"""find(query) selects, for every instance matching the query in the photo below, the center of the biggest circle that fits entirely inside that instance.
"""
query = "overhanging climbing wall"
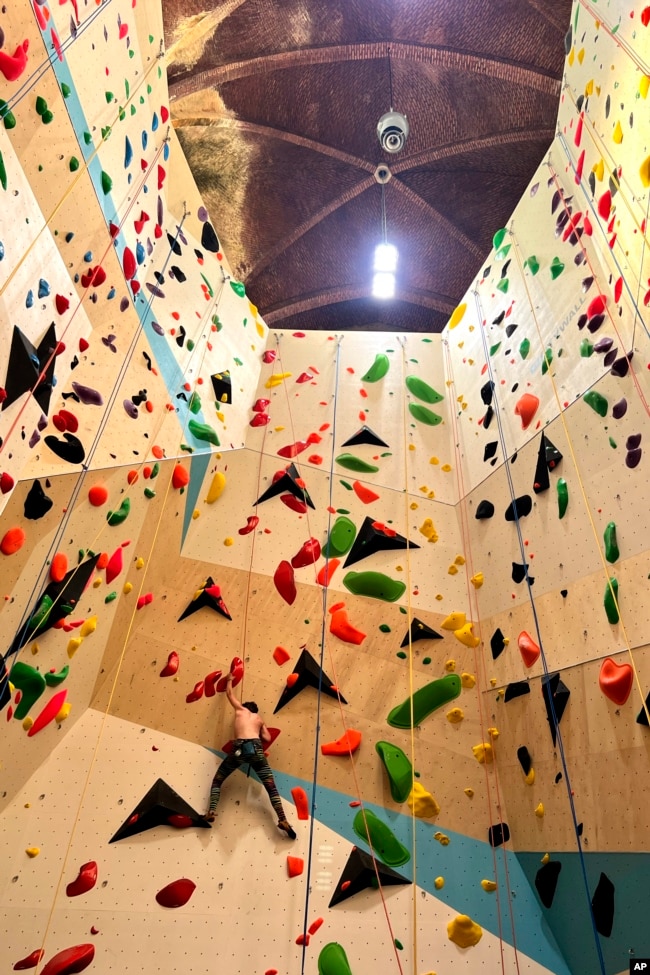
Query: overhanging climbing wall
(366, 521)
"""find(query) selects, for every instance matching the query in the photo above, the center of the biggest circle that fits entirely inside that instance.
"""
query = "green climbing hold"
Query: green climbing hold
(378, 369)
(532, 264)
(397, 942)
(53, 680)
(426, 660)
(401, 655)
(111, 596)
(422, 390)
(41, 105)
(547, 359)
(611, 600)
(3, 173)
(426, 700)
(190, 345)
(611, 544)
(556, 268)
(41, 614)
(333, 960)
(499, 238)
(107, 183)
(65, 90)
(203, 431)
(384, 627)
(30, 682)
(352, 463)
(398, 768)
(346, 485)
(562, 497)
(149, 493)
(586, 348)
(424, 415)
(495, 348)
(380, 837)
(374, 584)
(238, 288)
(341, 536)
(612, 443)
(73, 164)
(597, 402)
(155, 471)
(503, 285)
(195, 403)
(503, 252)
(118, 517)
(524, 348)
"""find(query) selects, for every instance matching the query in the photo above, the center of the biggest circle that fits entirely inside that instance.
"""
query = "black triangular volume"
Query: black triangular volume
(222, 386)
(288, 482)
(484, 510)
(309, 675)
(497, 643)
(419, 631)
(542, 481)
(5, 690)
(546, 880)
(57, 601)
(553, 455)
(207, 597)
(22, 368)
(46, 360)
(642, 717)
(602, 906)
(498, 834)
(517, 689)
(372, 538)
(519, 508)
(359, 874)
(367, 436)
(556, 697)
(159, 807)
(37, 504)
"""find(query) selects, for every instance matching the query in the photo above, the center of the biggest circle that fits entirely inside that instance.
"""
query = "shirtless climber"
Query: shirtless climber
(247, 749)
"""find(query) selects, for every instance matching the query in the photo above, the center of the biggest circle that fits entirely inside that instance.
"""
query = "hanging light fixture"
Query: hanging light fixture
(386, 255)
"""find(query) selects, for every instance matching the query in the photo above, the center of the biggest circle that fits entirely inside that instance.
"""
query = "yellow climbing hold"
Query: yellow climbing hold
(414, 506)
(617, 135)
(644, 85)
(276, 379)
(546, 858)
(434, 460)
(33, 851)
(488, 886)
(599, 170)
(63, 713)
(453, 570)
(89, 626)
(196, 514)
(589, 88)
(27, 723)
(439, 883)
(421, 803)
(468, 681)
(450, 666)
(466, 636)
(483, 753)
(459, 560)
(139, 562)
(457, 315)
(217, 485)
(644, 172)
(581, 55)
(428, 529)
(469, 793)
(530, 778)
(493, 733)
(539, 810)
(446, 468)
(228, 541)
(571, 57)
(477, 580)
(128, 586)
(442, 838)
(455, 716)
(73, 645)
(464, 932)
(34, 648)
(454, 621)
(97, 582)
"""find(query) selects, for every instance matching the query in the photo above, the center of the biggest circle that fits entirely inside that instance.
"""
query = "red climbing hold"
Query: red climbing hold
(284, 581)
(144, 600)
(12, 541)
(260, 405)
(364, 493)
(129, 265)
(526, 407)
(605, 205)
(269, 356)
(251, 524)
(308, 554)
(177, 893)
(293, 449)
(304, 377)
(616, 680)
(86, 880)
(596, 306)
(260, 420)
(326, 572)
(70, 960)
(345, 745)
(645, 16)
(303, 939)
(292, 678)
(62, 303)
(314, 926)
(528, 648)
(211, 683)
(178, 821)
(13, 65)
(196, 694)
(280, 655)
(31, 961)
(301, 802)
(295, 866)
(114, 566)
(171, 666)
(294, 503)
(341, 627)
(180, 477)
(6, 481)
(59, 567)
(48, 713)
(98, 495)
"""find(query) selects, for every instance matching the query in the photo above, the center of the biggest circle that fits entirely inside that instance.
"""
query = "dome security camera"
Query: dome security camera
(392, 131)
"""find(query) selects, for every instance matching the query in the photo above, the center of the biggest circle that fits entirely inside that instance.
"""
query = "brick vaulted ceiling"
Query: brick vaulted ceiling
(276, 104)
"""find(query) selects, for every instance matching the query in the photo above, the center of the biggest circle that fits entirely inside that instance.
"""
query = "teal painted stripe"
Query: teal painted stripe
(198, 468)
(568, 917)
(463, 864)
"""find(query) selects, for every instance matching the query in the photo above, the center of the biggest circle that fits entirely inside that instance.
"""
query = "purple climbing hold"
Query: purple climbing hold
(619, 409)
(610, 357)
(604, 344)
(88, 396)
(158, 329)
(202, 214)
(620, 366)
(633, 441)
(124, 304)
(130, 409)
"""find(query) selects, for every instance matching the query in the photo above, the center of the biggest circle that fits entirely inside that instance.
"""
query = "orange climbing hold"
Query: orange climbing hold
(291, 679)
(326, 572)
(364, 493)
(341, 627)
(526, 407)
(12, 541)
(301, 802)
(180, 477)
(616, 680)
(98, 495)
(295, 866)
(314, 926)
(345, 745)
(528, 648)
(59, 567)
(280, 655)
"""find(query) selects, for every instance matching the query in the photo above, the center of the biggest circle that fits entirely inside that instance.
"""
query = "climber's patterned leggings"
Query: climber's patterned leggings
(257, 761)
